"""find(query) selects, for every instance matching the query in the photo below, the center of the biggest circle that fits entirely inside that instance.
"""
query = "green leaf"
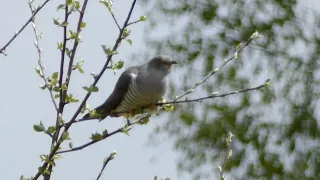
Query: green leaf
(129, 41)
(56, 96)
(126, 130)
(44, 157)
(70, 145)
(39, 127)
(117, 65)
(56, 22)
(43, 87)
(64, 87)
(64, 24)
(105, 133)
(68, 52)
(96, 137)
(91, 88)
(125, 33)
(38, 71)
(69, 2)
(55, 75)
(80, 70)
(107, 50)
(61, 6)
(238, 46)
(71, 99)
(107, 3)
(83, 24)
(77, 5)
(60, 45)
(143, 18)
(56, 89)
(51, 129)
(65, 136)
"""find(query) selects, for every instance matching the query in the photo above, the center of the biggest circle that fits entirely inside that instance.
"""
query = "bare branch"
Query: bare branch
(40, 56)
(115, 20)
(34, 13)
(105, 162)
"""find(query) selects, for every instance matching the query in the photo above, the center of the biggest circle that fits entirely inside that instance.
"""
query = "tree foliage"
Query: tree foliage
(276, 135)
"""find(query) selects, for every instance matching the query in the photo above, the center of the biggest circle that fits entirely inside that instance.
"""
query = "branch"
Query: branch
(105, 162)
(123, 129)
(35, 12)
(227, 155)
(62, 97)
(74, 49)
(57, 145)
(212, 96)
(40, 56)
(215, 70)
(134, 22)
(115, 20)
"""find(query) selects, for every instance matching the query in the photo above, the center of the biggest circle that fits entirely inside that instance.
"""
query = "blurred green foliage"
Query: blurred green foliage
(276, 136)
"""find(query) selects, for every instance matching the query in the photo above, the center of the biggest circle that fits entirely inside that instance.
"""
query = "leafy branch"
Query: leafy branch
(65, 135)
(99, 137)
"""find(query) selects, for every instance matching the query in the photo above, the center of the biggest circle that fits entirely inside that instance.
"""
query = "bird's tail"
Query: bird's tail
(101, 112)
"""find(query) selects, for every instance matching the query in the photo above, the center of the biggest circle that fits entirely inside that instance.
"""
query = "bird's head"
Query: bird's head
(161, 65)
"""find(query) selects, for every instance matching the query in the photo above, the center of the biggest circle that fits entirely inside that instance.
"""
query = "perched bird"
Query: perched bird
(137, 87)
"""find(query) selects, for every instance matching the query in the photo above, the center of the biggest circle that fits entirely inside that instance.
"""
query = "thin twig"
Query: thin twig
(134, 22)
(35, 12)
(214, 71)
(105, 162)
(40, 57)
(74, 49)
(115, 20)
(57, 145)
(227, 155)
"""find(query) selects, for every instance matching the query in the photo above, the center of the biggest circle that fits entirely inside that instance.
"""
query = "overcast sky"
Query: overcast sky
(24, 104)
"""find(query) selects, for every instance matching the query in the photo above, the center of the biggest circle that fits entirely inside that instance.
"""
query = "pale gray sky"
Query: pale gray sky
(24, 104)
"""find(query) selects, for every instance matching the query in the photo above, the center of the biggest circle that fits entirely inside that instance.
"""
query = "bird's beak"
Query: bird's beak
(173, 62)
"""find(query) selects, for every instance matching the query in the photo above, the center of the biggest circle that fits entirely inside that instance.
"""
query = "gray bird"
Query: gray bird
(137, 87)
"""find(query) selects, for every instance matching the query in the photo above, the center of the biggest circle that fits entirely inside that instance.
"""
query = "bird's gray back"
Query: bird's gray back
(144, 89)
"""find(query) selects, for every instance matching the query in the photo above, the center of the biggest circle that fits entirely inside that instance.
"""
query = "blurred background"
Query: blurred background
(276, 134)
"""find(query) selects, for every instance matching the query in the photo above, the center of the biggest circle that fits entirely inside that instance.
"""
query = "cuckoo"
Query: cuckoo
(137, 87)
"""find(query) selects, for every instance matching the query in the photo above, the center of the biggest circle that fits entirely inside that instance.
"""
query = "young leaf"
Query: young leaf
(129, 41)
(96, 137)
(39, 127)
(143, 18)
(91, 88)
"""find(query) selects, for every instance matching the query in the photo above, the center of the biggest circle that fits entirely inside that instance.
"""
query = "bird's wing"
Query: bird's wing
(118, 93)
